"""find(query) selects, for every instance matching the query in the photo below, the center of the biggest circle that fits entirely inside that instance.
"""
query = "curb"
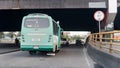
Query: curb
(10, 51)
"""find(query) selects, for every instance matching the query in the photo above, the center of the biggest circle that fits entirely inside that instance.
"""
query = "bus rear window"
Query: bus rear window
(36, 22)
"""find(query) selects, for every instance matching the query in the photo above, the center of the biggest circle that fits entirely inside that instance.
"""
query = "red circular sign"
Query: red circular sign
(99, 15)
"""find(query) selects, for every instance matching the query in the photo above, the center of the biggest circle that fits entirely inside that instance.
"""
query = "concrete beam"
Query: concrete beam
(45, 4)
(97, 5)
(42, 4)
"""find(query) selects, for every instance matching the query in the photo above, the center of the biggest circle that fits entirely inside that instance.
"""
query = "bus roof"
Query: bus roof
(37, 14)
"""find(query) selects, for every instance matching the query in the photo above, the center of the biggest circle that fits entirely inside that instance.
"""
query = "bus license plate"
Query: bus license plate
(36, 47)
(35, 39)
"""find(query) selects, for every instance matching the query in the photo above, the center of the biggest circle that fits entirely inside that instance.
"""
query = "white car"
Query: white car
(64, 41)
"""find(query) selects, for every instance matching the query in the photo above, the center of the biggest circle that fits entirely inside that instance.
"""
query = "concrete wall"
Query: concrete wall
(42, 4)
(102, 58)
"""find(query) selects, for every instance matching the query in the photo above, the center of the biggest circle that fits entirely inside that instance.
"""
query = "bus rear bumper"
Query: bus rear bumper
(36, 48)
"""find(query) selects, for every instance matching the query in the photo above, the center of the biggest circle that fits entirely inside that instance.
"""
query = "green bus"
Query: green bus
(39, 32)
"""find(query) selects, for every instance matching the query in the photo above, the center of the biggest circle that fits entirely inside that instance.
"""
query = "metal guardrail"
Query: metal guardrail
(107, 40)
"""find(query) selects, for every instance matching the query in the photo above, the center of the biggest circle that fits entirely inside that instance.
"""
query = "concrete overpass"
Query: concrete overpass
(64, 10)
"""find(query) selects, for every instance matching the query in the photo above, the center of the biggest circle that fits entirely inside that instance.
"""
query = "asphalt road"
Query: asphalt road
(68, 57)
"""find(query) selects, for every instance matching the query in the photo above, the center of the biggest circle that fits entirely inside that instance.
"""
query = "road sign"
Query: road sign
(99, 15)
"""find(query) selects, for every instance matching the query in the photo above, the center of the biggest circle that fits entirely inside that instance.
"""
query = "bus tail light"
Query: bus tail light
(23, 38)
(49, 38)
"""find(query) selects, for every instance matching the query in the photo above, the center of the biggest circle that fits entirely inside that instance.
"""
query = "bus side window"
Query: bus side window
(55, 27)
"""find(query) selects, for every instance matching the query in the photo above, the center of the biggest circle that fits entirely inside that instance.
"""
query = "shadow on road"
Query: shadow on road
(65, 51)
(7, 48)
(97, 66)
(72, 46)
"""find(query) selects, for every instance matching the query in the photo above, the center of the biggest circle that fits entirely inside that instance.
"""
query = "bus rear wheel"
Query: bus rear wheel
(32, 52)
(56, 50)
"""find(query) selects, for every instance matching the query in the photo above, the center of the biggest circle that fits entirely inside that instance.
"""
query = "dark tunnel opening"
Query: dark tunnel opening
(70, 19)
(117, 20)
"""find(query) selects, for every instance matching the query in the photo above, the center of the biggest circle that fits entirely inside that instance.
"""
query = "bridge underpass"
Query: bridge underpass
(70, 19)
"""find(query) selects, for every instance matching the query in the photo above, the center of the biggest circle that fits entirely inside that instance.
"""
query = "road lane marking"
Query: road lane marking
(87, 61)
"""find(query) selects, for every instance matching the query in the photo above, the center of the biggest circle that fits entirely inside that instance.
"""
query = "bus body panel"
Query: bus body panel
(40, 48)
(59, 38)
(39, 39)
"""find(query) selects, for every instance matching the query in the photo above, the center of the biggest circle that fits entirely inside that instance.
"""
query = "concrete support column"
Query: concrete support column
(112, 11)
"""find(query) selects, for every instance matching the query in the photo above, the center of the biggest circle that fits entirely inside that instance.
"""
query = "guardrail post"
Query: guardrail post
(111, 38)
(95, 38)
(90, 38)
(101, 40)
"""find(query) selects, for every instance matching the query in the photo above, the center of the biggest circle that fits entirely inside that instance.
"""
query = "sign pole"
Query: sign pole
(99, 27)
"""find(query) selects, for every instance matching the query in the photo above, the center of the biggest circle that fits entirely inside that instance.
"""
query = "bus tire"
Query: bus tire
(56, 49)
(32, 52)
